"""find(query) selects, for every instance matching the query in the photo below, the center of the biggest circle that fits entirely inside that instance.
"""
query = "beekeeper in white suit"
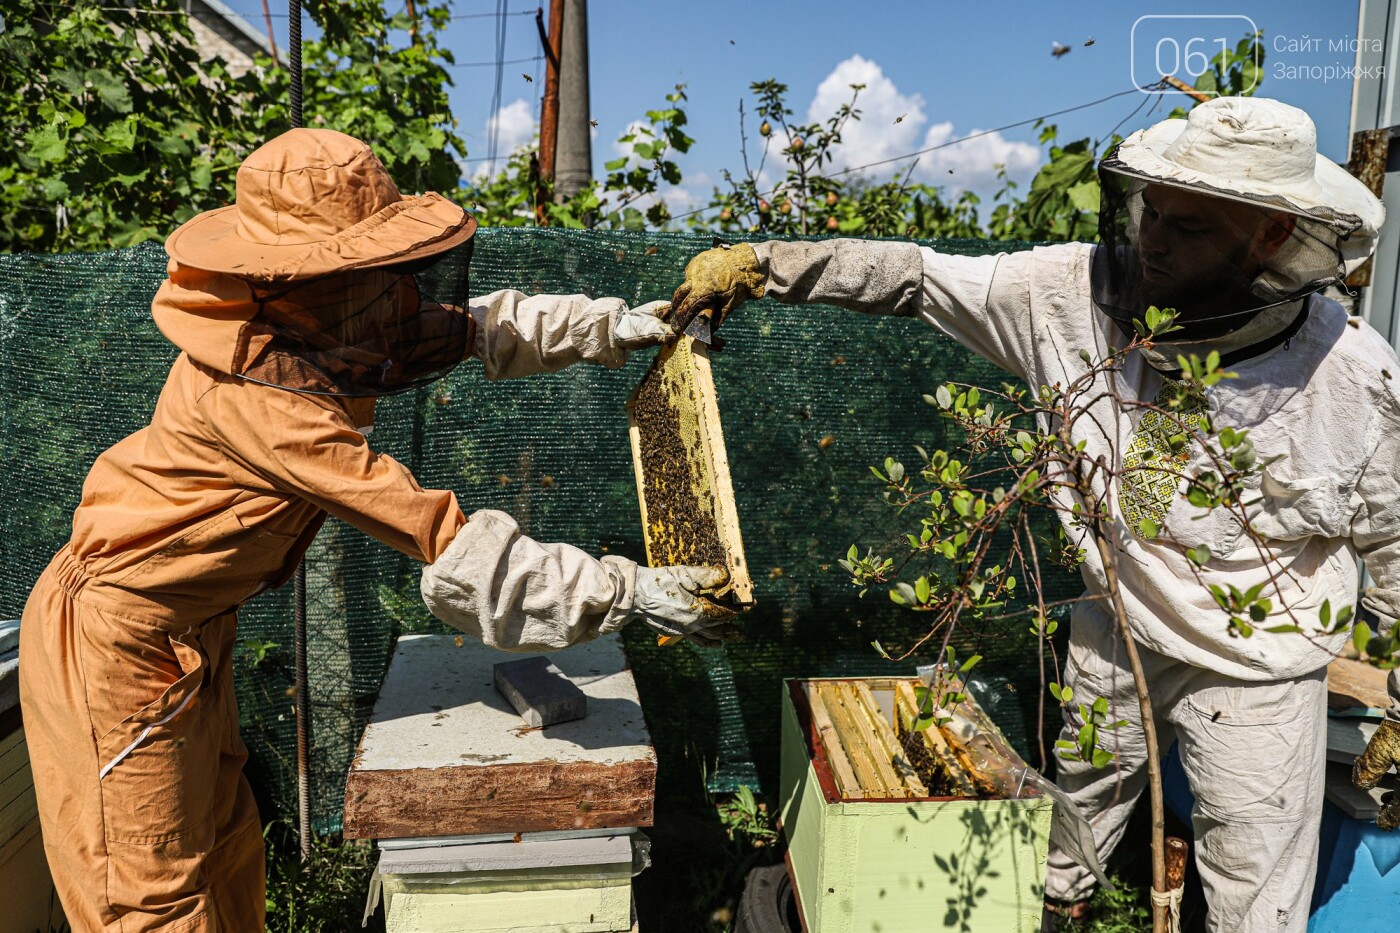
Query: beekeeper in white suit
(1233, 219)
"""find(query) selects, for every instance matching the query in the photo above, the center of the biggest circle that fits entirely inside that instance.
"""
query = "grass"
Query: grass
(326, 892)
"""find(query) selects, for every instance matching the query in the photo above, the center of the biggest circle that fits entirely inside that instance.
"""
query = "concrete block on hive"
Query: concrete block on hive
(539, 691)
(683, 484)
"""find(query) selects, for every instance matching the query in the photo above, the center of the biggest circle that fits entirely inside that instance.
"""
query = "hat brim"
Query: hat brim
(1333, 195)
(415, 228)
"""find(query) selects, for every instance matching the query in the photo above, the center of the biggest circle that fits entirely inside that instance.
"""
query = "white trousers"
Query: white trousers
(1254, 752)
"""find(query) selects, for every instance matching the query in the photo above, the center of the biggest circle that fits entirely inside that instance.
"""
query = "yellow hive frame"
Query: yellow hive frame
(680, 389)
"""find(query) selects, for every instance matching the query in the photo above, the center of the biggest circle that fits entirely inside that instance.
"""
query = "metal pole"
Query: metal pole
(301, 684)
(573, 162)
(303, 711)
(294, 56)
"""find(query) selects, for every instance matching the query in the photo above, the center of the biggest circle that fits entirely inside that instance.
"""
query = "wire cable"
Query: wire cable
(962, 139)
(493, 136)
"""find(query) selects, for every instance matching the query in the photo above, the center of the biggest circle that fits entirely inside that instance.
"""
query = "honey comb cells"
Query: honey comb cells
(683, 484)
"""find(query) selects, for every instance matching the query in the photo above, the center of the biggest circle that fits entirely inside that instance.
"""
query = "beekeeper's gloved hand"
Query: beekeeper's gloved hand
(1382, 754)
(642, 326)
(670, 600)
(718, 280)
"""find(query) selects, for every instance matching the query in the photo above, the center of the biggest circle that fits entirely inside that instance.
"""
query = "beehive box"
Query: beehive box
(682, 470)
(559, 885)
(968, 853)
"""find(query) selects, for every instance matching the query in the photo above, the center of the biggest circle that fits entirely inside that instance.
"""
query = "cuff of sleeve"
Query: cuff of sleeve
(591, 332)
(624, 576)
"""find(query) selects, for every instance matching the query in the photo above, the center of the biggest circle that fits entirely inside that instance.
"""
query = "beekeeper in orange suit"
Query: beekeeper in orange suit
(319, 290)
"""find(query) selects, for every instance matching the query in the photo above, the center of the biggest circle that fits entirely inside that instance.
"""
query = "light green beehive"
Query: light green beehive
(916, 864)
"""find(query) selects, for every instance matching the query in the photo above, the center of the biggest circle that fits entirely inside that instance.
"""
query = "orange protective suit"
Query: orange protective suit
(128, 637)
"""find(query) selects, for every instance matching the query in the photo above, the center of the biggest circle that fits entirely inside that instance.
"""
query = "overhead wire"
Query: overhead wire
(493, 134)
(493, 63)
(1145, 90)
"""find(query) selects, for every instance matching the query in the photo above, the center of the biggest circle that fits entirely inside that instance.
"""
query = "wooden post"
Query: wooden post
(549, 106)
(271, 36)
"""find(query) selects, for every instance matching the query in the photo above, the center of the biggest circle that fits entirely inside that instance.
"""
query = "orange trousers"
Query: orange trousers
(132, 727)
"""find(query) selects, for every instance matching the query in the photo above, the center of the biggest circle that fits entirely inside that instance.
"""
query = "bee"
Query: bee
(529, 78)
(1058, 50)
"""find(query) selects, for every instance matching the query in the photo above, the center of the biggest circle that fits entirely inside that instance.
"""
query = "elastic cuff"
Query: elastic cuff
(624, 576)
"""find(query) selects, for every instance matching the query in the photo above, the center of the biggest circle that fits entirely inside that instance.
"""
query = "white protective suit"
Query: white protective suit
(1248, 713)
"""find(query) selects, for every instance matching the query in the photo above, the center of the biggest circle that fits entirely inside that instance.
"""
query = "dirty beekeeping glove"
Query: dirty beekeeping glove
(1382, 754)
(642, 326)
(718, 280)
(670, 600)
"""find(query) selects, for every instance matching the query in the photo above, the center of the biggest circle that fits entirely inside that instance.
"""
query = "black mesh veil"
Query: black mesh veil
(1217, 258)
(361, 332)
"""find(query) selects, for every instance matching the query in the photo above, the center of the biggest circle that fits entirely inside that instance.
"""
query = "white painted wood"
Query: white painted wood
(427, 842)
(508, 856)
(579, 910)
(439, 709)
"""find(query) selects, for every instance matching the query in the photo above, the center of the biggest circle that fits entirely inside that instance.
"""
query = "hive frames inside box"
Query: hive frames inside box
(683, 485)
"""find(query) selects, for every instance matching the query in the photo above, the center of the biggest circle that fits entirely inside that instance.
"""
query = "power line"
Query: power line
(489, 63)
(963, 139)
(493, 133)
(979, 133)
(248, 16)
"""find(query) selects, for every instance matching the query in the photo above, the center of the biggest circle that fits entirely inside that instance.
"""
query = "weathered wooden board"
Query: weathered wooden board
(1353, 684)
(682, 470)
(830, 741)
(444, 754)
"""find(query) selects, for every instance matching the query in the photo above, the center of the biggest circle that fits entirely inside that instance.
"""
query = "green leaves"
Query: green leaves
(135, 133)
(1361, 637)
(47, 144)
(1093, 721)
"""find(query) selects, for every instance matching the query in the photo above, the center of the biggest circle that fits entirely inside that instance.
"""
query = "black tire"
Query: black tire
(769, 904)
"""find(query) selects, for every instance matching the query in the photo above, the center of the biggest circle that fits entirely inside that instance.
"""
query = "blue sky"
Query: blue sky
(946, 68)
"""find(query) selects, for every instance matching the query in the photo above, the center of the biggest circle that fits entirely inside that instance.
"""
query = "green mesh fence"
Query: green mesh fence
(810, 396)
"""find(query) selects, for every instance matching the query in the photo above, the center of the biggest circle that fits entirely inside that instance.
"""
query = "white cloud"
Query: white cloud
(973, 164)
(892, 124)
(515, 123)
(876, 135)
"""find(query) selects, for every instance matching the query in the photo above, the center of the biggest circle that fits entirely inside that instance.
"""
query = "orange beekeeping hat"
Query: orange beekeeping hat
(312, 203)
